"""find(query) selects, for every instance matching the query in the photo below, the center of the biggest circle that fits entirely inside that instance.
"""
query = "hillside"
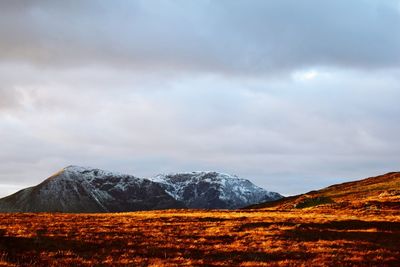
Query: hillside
(380, 192)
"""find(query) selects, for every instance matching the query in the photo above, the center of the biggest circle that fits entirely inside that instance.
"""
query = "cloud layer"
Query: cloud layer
(211, 36)
(293, 96)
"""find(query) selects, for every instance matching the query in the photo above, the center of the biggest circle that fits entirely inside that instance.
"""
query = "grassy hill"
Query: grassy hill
(381, 192)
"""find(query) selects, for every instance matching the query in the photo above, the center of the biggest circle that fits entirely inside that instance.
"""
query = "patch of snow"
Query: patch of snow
(230, 188)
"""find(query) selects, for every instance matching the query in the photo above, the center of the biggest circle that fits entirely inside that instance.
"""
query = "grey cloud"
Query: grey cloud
(8, 98)
(261, 37)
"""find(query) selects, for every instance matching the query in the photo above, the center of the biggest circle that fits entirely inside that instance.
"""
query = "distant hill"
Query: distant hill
(375, 192)
(80, 190)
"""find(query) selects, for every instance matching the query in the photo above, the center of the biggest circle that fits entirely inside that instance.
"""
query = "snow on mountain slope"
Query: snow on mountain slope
(83, 189)
(212, 190)
(80, 189)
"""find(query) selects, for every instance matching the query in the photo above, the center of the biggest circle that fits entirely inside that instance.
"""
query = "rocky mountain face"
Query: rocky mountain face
(79, 189)
(212, 190)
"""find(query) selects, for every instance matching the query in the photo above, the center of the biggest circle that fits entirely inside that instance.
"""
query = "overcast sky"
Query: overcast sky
(293, 95)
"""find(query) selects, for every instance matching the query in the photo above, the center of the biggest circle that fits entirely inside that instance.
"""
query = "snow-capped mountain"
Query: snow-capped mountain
(212, 190)
(81, 189)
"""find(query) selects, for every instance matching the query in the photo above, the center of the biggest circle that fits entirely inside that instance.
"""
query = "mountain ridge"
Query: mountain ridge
(85, 189)
(196, 188)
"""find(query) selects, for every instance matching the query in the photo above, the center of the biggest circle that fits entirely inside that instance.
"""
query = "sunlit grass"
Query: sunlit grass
(306, 237)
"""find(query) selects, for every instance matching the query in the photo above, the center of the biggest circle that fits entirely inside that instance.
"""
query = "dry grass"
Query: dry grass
(308, 237)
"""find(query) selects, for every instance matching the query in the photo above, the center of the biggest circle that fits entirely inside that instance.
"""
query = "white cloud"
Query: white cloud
(305, 75)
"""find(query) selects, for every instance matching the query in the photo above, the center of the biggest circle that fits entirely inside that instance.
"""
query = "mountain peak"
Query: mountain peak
(76, 168)
(88, 172)
(86, 189)
(197, 175)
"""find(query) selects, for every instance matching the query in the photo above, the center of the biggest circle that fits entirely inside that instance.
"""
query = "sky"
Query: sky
(292, 95)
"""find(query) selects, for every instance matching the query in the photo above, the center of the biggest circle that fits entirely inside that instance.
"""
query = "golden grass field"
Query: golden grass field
(356, 228)
(319, 237)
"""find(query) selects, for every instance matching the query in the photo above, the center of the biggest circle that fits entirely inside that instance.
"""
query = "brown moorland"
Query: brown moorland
(351, 224)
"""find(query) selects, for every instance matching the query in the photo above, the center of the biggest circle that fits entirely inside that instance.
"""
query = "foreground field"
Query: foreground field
(308, 237)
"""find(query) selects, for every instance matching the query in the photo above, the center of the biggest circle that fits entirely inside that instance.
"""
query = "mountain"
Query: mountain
(212, 190)
(380, 192)
(80, 189)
